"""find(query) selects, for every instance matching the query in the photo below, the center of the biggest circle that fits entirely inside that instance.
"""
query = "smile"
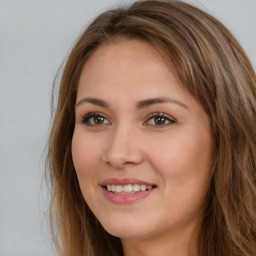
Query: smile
(127, 189)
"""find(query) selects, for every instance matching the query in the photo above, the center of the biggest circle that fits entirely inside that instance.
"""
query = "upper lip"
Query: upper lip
(125, 181)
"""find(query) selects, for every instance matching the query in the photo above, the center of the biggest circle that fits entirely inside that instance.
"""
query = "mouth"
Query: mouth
(123, 191)
(128, 188)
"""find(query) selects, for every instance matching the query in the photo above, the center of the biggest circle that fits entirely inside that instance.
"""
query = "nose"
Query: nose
(123, 148)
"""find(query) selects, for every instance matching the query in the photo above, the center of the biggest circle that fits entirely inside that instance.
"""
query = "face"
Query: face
(141, 145)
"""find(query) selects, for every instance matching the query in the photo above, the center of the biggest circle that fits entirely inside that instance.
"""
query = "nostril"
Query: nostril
(122, 159)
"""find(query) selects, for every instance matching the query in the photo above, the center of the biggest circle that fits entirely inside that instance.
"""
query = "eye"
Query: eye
(95, 119)
(159, 120)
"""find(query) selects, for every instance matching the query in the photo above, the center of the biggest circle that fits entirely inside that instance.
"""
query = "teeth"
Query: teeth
(143, 188)
(119, 189)
(136, 187)
(127, 189)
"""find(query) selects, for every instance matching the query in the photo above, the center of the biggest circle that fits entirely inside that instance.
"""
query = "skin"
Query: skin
(129, 143)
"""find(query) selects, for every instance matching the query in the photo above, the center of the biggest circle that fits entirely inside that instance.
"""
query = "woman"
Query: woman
(153, 144)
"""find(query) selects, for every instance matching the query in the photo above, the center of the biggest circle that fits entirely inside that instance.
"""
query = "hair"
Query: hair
(213, 67)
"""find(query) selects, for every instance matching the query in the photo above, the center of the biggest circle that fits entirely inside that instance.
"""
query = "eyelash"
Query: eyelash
(160, 115)
(171, 121)
(87, 117)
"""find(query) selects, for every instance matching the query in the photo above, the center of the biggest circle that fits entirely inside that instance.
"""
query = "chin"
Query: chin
(127, 229)
(126, 234)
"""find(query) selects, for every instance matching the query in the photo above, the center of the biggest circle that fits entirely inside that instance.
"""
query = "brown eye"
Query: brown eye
(98, 120)
(95, 119)
(159, 120)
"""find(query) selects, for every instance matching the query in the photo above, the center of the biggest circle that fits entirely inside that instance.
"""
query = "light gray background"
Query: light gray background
(35, 37)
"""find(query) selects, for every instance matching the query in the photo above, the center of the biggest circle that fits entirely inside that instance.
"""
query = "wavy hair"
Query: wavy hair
(212, 66)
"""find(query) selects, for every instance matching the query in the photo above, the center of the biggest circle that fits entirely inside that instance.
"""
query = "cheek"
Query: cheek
(183, 162)
(86, 156)
(184, 166)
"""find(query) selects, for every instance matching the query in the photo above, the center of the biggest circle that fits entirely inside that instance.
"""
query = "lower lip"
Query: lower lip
(126, 198)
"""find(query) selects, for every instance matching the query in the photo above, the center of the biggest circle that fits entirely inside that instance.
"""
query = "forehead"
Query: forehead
(131, 64)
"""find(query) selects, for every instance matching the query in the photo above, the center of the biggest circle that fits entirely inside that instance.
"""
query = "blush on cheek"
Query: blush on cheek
(85, 160)
(79, 149)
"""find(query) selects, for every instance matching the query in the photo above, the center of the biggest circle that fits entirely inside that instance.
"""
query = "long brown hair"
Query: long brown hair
(212, 66)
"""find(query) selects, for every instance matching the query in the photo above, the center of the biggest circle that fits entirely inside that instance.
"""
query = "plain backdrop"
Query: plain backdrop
(35, 37)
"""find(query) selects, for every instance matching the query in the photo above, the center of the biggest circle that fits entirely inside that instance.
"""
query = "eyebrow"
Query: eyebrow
(141, 104)
(94, 101)
(149, 102)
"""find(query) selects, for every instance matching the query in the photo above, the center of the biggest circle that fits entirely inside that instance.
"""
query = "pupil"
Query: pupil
(160, 120)
(98, 120)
